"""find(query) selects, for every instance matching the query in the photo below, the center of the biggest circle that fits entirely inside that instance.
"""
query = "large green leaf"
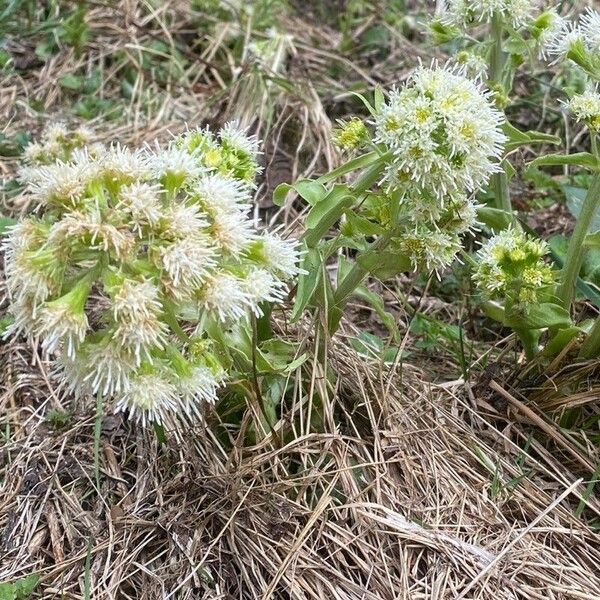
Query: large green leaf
(538, 316)
(384, 264)
(323, 215)
(307, 282)
(495, 218)
(308, 189)
(360, 162)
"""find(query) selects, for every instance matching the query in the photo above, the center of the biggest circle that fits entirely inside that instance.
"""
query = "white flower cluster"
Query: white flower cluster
(465, 12)
(510, 266)
(579, 41)
(445, 141)
(133, 254)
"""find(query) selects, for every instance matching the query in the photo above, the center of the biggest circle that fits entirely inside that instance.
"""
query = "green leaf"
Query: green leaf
(592, 240)
(360, 162)
(384, 264)
(378, 98)
(280, 193)
(367, 104)
(558, 249)
(307, 282)
(311, 191)
(495, 218)
(575, 197)
(323, 215)
(559, 341)
(378, 305)
(71, 82)
(538, 316)
(20, 589)
(581, 159)
(518, 138)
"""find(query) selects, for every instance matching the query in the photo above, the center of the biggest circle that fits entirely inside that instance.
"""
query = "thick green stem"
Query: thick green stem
(570, 272)
(497, 64)
(497, 58)
(529, 338)
(591, 345)
(501, 190)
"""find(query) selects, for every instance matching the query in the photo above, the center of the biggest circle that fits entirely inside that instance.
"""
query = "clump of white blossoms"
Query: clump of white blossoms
(444, 140)
(466, 12)
(443, 132)
(510, 267)
(133, 255)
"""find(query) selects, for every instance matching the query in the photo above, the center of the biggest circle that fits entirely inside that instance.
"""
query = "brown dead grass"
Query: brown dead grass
(414, 493)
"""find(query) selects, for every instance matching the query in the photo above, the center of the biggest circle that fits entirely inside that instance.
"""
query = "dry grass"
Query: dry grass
(413, 493)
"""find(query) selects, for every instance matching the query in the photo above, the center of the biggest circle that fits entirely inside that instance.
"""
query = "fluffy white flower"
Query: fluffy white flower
(281, 257)
(187, 262)
(510, 265)
(55, 133)
(564, 41)
(472, 65)
(174, 166)
(429, 250)
(462, 12)
(92, 228)
(184, 221)
(121, 166)
(96, 368)
(195, 388)
(63, 323)
(136, 310)
(586, 108)
(226, 296)
(443, 132)
(142, 202)
(232, 232)
(33, 153)
(218, 193)
(59, 183)
(237, 138)
(262, 286)
(149, 398)
(548, 28)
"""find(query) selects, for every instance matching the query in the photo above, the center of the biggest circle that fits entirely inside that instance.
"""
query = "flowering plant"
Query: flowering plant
(434, 143)
(139, 270)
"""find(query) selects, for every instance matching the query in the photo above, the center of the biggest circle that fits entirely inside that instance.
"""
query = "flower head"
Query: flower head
(351, 134)
(130, 254)
(510, 265)
(443, 133)
(465, 12)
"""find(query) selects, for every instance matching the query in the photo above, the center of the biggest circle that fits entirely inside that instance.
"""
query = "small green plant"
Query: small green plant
(21, 589)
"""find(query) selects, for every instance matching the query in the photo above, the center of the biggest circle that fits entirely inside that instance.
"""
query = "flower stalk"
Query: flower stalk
(576, 249)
